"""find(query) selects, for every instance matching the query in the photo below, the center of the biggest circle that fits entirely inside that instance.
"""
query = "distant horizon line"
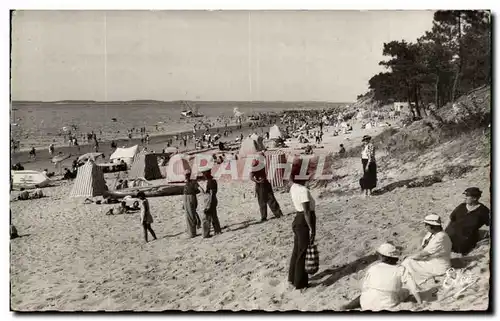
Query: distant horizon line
(174, 101)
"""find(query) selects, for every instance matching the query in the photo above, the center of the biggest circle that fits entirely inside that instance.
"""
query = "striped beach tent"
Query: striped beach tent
(275, 174)
(176, 166)
(145, 165)
(89, 181)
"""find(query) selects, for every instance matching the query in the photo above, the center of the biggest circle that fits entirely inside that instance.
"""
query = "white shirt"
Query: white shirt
(364, 152)
(381, 287)
(301, 194)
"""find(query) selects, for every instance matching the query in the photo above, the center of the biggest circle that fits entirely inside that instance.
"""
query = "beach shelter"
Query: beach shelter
(89, 181)
(176, 167)
(275, 172)
(259, 140)
(88, 156)
(248, 147)
(275, 132)
(145, 165)
(251, 145)
(125, 154)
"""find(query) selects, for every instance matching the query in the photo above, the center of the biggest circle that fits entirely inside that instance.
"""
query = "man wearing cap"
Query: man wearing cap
(382, 286)
(434, 257)
(265, 195)
(190, 204)
(466, 220)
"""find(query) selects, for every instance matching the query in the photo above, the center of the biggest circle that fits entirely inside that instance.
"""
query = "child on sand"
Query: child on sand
(146, 218)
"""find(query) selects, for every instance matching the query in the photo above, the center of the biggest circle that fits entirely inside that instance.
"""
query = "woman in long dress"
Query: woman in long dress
(434, 257)
(369, 180)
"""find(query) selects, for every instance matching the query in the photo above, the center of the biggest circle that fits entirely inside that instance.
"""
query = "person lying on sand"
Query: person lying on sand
(24, 195)
(466, 220)
(46, 173)
(123, 208)
(382, 285)
(106, 200)
(434, 257)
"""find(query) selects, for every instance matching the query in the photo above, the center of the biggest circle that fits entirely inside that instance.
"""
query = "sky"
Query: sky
(203, 55)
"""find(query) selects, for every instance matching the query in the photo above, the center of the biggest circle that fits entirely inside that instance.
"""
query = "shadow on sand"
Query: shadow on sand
(462, 262)
(424, 181)
(336, 273)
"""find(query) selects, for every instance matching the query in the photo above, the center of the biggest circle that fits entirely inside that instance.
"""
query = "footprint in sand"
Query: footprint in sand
(274, 283)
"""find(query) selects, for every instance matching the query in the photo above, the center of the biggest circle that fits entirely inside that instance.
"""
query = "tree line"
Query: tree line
(446, 62)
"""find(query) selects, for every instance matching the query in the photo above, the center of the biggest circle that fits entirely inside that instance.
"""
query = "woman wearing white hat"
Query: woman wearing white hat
(434, 257)
(382, 286)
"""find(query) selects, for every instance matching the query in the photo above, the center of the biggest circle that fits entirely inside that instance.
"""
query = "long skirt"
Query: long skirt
(421, 271)
(297, 274)
(369, 179)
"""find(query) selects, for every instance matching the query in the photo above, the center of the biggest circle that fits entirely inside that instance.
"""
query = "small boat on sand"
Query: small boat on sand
(29, 179)
(149, 191)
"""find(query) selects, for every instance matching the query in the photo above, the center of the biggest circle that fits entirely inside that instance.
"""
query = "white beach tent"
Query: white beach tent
(125, 154)
(89, 181)
(258, 140)
(275, 132)
(250, 146)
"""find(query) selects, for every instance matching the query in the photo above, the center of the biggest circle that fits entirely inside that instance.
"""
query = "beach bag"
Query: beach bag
(13, 232)
(312, 259)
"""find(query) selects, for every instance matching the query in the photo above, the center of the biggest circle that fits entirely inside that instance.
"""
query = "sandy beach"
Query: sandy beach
(73, 257)
(391, 108)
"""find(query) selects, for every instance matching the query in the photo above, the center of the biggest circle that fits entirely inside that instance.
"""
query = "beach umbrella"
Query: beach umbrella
(87, 156)
(59, 158)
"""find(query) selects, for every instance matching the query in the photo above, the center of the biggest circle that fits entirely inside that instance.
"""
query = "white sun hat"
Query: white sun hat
(433, 219)
(388, 250)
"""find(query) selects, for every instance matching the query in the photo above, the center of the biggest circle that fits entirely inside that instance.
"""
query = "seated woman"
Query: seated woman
(119, 185)
(466, 220)
(434, 257)
(67, 174)
(342, 150)
(382, 286)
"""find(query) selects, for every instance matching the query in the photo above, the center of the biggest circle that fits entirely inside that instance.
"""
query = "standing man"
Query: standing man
(265, 195)
(210, 211)
(51, 150)
(190, 204)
